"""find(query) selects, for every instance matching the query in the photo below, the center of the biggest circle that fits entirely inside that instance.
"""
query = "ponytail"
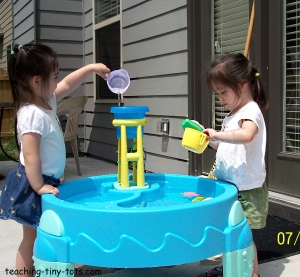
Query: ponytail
(259, 94)
(232, 68)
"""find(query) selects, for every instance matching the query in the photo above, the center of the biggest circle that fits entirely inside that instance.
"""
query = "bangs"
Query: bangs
(218, 75)
(48, 65)
(51, 64)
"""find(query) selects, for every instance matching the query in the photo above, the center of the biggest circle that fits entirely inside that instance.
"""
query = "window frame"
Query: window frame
(117, 18)
(217, 36)
(284, 146)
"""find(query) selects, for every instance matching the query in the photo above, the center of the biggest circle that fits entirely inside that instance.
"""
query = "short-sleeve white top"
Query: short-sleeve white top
(243, 164)
(34, 119)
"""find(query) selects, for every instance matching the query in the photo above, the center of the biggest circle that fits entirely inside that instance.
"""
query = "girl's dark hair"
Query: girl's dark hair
(32, 59)
(232, 69)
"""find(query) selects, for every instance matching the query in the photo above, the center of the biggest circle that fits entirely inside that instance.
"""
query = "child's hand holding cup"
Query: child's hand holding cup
(193, 138)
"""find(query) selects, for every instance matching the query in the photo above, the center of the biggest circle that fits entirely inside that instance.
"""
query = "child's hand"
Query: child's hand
(45, 189)
(101, 70)
(211, 133)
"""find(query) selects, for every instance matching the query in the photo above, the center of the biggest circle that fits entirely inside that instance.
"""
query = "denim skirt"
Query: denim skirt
(19, 201)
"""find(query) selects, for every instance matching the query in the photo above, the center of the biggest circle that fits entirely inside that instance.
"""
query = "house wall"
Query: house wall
(100, 135)
(58, 24)
(6, 28)
(155, 56)
(23, 21)
(154, 53)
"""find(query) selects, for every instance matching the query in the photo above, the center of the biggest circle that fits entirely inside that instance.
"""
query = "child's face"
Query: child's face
(229, 99)
(52, 83)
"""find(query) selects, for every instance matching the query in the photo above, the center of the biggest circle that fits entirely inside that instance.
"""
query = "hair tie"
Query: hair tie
(19, 48)
(257, 74)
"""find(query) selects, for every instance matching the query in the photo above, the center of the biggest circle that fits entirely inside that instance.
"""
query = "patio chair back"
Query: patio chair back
(72, 107)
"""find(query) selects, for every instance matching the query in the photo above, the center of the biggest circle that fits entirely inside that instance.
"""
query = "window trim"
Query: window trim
(199, 104)
(283, 142)
(284, 154)
(220, 31)
(95, 28)
(289, 156)
(109, 21)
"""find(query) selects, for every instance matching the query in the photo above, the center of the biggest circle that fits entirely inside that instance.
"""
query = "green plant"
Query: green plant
(9, 144)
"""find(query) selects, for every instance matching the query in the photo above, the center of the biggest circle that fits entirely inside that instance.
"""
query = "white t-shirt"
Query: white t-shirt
(34, 119)
(243, 164)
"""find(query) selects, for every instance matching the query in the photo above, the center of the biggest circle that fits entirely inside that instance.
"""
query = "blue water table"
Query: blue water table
(138, 220)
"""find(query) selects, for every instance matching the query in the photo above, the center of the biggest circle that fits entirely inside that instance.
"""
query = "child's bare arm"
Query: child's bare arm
(76, 78)
(33, 168)
(240, 136)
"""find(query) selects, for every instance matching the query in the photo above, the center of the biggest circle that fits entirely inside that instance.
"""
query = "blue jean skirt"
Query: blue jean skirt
(19, 201)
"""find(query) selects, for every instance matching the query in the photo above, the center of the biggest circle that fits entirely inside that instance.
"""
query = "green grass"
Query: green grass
(10, 147)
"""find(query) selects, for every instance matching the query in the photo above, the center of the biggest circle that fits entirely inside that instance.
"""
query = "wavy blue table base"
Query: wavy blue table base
(239, 262)
(92, 223)
(46, 269)
(236, 263)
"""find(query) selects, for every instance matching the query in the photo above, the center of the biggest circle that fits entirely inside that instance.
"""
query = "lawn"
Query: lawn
(10, 147)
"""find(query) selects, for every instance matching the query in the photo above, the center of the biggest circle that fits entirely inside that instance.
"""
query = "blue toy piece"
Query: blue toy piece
(129, 112)
(94, 224)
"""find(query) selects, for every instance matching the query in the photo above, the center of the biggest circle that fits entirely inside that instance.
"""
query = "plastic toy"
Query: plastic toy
(129, 122)
(118, 81)
(187, 123)
(198, 198)
(193, 139)
(190, 194)
(141, 220)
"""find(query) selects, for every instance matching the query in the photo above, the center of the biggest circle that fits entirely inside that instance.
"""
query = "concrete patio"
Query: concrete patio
(11, 235)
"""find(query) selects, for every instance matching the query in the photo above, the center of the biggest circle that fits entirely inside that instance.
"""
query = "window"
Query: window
(291, 142)
(231, 20)
(107, 42)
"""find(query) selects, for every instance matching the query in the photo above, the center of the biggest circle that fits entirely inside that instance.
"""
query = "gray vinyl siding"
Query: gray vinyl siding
(6, 27)
(154, 51)
(100, 134)
(101, 140)
(60, 26)
(23, 21)
(155, 56)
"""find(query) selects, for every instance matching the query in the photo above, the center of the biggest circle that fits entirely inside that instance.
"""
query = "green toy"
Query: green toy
(187, 123)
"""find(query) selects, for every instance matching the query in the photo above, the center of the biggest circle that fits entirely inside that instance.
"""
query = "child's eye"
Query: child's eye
(220, 93)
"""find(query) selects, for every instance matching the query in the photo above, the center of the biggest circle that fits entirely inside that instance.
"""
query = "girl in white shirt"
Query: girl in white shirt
(33, 70)
(241, 143)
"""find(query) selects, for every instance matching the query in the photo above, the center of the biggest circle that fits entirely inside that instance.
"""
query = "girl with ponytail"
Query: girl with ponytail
(241, 143)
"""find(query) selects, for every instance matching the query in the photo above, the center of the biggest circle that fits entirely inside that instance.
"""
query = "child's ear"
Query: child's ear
(35, 82)
(242, 85)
